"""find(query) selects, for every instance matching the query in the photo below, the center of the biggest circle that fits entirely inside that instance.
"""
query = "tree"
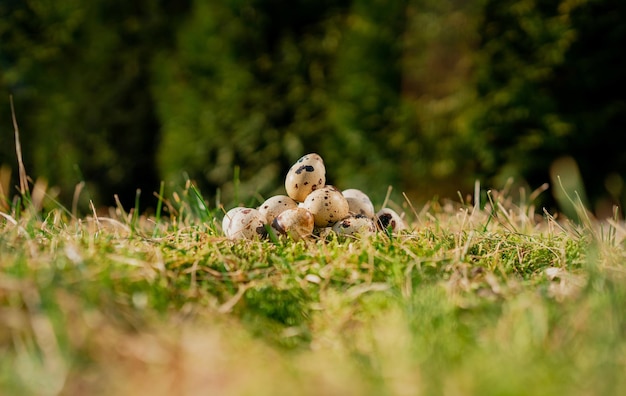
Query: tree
(547, 74)
(246, 88)
(80, 73)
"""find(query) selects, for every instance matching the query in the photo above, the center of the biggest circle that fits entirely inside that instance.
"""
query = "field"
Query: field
(483, 297)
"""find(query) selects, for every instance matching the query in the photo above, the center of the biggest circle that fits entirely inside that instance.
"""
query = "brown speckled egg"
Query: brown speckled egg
(295, 223)
(275, 205)
(353, 225)
(248, 223)
(228, 217)
(305, 176)
(359, 202)
(389, 220)
(327, 205)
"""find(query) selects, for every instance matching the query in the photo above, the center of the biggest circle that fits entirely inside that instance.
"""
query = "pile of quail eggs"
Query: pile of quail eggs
(310, 208)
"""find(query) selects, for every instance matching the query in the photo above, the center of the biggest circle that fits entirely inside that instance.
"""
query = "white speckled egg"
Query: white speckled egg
(228, 217)
(306, 175)
(359, 202)
(388, 219)
(248, 223)
(295, 223)
(275, 205)
(327, 205)
(356, 224)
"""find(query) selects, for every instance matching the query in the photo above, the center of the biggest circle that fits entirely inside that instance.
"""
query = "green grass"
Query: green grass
(474, 301)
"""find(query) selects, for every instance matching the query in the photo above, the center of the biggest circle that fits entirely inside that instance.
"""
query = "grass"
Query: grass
(479, 299)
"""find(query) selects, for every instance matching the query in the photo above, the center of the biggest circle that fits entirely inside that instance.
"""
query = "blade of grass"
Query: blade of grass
(384, 205)
(18, 150)
(203, 209)
(5, 182)
(159, 208)
(77, 190)
(135, 217)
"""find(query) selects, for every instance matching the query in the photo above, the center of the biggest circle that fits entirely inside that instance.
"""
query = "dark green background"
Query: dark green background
(423, 95)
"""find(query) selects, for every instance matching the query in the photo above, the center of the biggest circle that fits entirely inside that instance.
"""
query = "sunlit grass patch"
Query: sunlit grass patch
(474, 299)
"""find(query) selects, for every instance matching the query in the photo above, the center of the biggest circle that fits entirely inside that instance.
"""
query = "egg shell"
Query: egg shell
(359, 202)
(388, 219)
(228, 217)
(248, 223)
(353, 225)
(273, 206)
(295, 223)
(305, 176)
(327, 205)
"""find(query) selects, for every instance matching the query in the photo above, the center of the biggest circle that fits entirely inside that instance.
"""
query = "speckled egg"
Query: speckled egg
(389, 220)
(295, 223)
(228, 217)
(359, 202)
(305, 176)
(356, 224)
(275, 205)
(327, 205)
(248, 223)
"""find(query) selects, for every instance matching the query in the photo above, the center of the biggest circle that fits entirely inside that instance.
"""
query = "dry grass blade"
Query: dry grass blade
(77, 190)
(5, 181)
(9, 218)
(18, 151)
(230, 304)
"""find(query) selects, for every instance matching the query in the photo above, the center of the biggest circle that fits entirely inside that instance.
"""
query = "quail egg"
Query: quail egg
(295, 223)
(248, 223)
(356, 224)
(389, 220)
(228, 217)
(359, 202)
(327, 205)
(306, 175)
(275, 205)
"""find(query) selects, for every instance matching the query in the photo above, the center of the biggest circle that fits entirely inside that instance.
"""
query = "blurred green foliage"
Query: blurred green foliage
(423, 95)
(256, 86)
(79, 74)
(547, 87)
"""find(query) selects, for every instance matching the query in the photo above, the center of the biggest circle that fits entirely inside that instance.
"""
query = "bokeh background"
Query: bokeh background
(427, 96)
